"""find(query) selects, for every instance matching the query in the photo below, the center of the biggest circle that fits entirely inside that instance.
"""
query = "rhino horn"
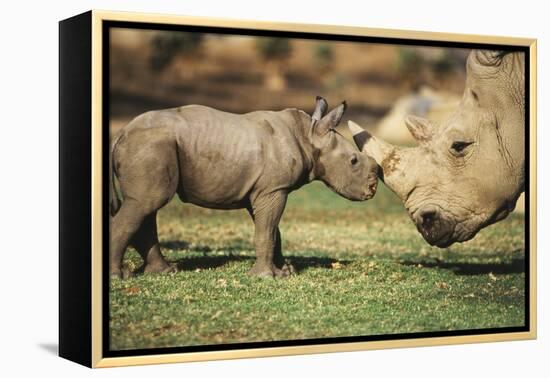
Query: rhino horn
(360, 135)
(388, 157)
(369, 144)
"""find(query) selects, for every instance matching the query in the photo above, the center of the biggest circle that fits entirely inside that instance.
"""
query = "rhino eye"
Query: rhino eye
(459, 147)
(474, 95)
(354, 160)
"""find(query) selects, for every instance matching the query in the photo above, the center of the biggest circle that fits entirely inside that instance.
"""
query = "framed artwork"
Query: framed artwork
(233, 189)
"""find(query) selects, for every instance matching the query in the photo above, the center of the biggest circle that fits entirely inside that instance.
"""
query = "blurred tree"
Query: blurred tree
(274, 51)
(323, 54)
(409, 66)
(444, 65)
(273, 48)
(167, 45)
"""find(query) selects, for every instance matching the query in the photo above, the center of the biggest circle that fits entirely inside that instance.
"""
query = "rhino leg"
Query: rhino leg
(124, 225)
(146, 242)
(266, 213)
(147, 181)
(278, 258)
(127, 227)
(286, 267)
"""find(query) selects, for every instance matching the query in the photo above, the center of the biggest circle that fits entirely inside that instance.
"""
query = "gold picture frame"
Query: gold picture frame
(89, 329)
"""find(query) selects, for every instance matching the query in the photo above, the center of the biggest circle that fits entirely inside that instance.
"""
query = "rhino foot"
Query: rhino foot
(122, 274)
(127, 273)
(160, 268)
(288, 269)
(271, 271)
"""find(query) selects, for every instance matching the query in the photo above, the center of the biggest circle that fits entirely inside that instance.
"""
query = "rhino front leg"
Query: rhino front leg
(146, 243)
(266, 213)
(286, 267)
(278, 258)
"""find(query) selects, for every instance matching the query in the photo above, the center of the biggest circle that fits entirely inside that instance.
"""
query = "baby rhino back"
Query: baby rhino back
(225, 157)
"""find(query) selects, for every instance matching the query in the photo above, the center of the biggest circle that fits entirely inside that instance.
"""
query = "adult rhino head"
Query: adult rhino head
(468, 171)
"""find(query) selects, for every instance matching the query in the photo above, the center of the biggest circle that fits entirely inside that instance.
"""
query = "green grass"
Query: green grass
(363, 269)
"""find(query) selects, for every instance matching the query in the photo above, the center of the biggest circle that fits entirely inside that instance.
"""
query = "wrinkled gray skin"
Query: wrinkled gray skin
(221, 160)
(467, 172)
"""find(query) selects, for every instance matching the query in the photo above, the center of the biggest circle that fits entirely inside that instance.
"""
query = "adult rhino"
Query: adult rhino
(468, 171)
(221, 160)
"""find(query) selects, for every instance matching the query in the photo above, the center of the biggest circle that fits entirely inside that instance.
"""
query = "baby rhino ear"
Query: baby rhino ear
(321, 106)
(331, 120)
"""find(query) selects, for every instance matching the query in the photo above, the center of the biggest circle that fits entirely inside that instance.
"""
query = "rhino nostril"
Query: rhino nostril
(427, 218)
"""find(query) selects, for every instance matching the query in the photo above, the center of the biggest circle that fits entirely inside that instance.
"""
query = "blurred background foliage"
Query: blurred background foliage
(166, 46)
(161, 69)
(273, 48)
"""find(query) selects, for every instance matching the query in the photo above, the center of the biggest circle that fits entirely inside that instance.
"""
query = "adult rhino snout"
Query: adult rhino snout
(433, 226)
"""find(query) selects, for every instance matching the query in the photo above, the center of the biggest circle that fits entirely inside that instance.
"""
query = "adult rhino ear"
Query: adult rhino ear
(488, 58)
(420, 128)
(331, 120)
(484, 63)
(321, 106)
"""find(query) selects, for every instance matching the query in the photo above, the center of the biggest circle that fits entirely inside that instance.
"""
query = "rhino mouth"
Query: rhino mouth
(434, 226)
(441, 240)
(372, 186)
(355, 195)
(442, 243)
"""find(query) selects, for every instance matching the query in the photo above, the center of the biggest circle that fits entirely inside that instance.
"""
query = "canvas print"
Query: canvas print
(291, 188)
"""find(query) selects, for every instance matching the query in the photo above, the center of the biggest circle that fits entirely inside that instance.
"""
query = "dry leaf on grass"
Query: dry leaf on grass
(132, 290)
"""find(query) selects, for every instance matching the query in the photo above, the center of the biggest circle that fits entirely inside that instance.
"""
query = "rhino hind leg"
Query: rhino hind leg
(132, 224)
(124, 225)
(146, 242)
(143, 194)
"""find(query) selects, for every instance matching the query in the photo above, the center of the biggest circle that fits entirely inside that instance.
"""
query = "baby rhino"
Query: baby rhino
(220, 160)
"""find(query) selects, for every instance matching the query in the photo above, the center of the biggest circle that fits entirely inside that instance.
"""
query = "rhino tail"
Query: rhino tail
(114, 200)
